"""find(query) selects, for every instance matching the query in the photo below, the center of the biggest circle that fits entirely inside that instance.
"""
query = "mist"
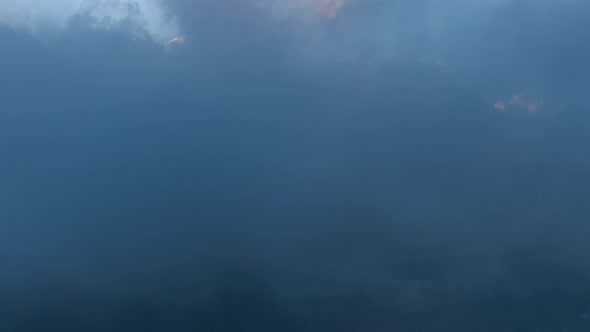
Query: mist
(295, 166)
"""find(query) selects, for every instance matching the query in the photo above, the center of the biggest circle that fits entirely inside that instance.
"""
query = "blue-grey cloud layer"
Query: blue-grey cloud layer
(299, 174)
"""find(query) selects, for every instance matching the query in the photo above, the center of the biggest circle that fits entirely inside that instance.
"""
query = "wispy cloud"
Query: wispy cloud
(330, 8)
(323, 9)
(521, 101)
(141, 18)
(500, 105)
(177, 40)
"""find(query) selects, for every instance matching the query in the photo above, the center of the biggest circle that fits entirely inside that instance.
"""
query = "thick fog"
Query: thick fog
(296, 165)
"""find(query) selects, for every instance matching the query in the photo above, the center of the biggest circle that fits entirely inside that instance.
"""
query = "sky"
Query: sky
(294, 165)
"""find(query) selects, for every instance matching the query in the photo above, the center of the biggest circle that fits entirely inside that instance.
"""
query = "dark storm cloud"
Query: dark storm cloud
(298, 172)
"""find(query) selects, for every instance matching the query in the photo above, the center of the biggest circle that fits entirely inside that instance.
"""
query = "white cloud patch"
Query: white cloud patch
(141, 18)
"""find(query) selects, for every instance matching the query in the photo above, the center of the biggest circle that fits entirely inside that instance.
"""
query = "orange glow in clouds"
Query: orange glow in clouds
(521, 101)
(500, 106)
(329, 8)
(324, 9)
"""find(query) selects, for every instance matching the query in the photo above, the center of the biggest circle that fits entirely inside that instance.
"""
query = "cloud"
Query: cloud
(330, 8)
(324, 9)
(366, 197)
(177, 40)
(521, 101)
(529, 102)
(146, 19)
